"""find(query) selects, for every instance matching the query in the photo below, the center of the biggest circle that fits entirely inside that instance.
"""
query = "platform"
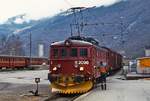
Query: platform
(120, 90)
(136, 76)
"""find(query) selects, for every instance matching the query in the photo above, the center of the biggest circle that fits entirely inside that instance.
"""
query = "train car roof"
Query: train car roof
(83, 41)
(11, 56)
(77, 40)
(110, 50)
(21, 56)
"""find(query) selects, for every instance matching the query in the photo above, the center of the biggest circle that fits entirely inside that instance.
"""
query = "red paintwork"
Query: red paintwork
(19, 61)
(95, 55)
(67, 64)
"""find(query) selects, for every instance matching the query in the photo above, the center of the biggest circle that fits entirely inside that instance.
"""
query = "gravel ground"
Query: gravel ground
(24, 76)
(15, 85)
(11, 92)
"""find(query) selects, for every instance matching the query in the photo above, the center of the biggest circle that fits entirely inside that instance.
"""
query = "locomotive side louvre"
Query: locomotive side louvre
(99, 55)
(114, 60)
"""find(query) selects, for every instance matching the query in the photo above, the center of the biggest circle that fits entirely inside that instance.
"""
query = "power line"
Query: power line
(79, 23)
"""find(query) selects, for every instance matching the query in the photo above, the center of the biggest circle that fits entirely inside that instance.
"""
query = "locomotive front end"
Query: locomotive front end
(70, 70)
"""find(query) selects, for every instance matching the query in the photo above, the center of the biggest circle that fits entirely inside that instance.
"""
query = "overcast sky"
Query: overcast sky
(36, 9)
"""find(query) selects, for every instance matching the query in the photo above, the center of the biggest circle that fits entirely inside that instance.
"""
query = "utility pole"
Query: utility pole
(30, 48)
(122, 35)
(122, 30)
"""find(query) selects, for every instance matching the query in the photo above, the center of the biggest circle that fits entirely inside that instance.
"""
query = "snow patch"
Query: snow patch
(21, 30)
(131, 25)
(19, 21)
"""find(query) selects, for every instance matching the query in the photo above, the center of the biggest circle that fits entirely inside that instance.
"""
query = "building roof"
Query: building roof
(143, 58)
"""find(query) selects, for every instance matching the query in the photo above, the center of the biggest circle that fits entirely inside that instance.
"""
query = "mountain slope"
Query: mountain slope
(125, 29)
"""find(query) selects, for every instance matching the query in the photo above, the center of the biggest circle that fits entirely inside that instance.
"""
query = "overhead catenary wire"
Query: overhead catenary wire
(121, 24)
(79, 23)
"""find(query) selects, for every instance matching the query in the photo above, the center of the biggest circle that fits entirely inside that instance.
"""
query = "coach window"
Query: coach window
(55, 53)
(63, 52)
(73, 52)
(83, 52)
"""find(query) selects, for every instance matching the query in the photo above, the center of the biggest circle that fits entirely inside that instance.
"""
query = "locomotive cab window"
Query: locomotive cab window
(74, 52)
(55, 53)
(63, 52)
(83, 52)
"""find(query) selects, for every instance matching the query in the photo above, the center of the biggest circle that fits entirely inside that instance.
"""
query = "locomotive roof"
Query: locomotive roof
(74, 42)
(78, 40)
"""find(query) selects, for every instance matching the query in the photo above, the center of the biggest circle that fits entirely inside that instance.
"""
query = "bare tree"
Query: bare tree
(13, 46)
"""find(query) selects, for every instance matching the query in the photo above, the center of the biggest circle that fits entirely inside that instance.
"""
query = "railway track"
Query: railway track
(62, 97)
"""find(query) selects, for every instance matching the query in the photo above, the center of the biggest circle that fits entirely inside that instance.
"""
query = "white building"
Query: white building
(147, 51)
(40, 50)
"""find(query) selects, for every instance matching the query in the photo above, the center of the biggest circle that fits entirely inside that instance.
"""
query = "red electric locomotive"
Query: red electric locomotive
(75, 64)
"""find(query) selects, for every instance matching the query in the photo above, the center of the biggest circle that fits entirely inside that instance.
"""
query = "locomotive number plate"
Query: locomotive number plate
(82, 62)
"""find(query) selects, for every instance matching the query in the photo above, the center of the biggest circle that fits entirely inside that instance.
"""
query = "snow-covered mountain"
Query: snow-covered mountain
(124, 27)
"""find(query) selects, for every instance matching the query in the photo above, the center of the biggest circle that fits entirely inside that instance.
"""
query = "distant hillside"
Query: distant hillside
(131, 36)
(9, 32)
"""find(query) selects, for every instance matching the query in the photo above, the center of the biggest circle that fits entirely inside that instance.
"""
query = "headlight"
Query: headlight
(75, 65)
(59, 65)
(55, 68)
(81, 68)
